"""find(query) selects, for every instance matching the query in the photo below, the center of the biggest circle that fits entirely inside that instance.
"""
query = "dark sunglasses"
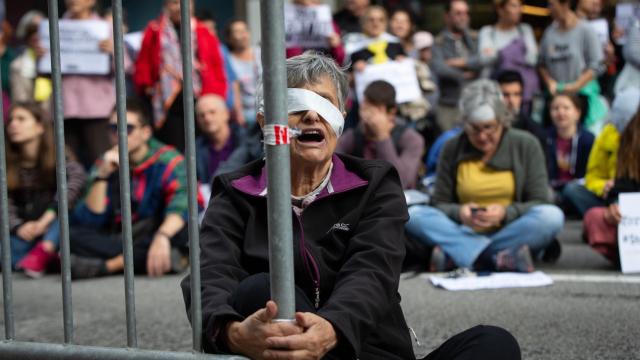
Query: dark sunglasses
(114, 128)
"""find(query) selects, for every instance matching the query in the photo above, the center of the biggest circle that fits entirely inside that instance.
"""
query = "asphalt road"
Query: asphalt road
(590, 312)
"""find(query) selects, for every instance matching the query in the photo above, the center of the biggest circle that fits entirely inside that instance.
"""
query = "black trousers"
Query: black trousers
(88, 241)
(172, 131)
(480, 342)
(87, 138)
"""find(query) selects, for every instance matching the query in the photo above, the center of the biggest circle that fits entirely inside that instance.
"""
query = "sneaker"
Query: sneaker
(86, 267)
(36, 261)
(552, 252)
(514, 259)
(439, 261)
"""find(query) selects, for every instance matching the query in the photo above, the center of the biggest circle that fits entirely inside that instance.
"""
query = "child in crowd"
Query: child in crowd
(568, 145)
(31, 185)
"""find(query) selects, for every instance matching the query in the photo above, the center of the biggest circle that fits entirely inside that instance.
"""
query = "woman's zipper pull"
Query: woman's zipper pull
(317, 302)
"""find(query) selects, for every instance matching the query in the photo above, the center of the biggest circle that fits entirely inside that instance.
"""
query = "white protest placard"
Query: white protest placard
(626, 14)
(629, 232)
(400, 74)
(308, 26)
(79, 47)
(133, 41)
(601, 28)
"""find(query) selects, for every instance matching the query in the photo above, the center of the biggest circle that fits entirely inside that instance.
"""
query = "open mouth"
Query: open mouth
(311, 136)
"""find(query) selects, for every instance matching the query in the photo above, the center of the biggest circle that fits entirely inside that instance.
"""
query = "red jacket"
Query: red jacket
(147, 71)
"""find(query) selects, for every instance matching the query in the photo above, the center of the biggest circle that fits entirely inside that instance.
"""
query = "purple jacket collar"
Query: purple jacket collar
(341, 180)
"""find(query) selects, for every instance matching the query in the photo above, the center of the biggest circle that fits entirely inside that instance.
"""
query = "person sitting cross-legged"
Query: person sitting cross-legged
(490, 206)
(158, 206)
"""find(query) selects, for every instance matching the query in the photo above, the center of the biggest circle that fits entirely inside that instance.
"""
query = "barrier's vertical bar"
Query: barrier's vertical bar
(125, 186)
(61, 170)
(7, 284)
(192, 186)
(279, 178)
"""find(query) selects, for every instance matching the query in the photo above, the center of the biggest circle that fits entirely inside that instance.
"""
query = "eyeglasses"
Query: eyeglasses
(479, 129)
(113, 128)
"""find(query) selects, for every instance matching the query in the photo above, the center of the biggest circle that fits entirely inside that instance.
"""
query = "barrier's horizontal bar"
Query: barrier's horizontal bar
(45, 351)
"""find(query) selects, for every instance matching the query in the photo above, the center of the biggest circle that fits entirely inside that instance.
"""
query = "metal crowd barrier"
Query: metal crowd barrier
(277, 161)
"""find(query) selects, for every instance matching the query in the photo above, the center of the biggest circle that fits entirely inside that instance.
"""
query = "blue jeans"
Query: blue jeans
(580, 197)
(536, 228)
(20, 247)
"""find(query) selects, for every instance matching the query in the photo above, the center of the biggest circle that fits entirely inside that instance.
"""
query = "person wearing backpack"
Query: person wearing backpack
(383, 135)
(510, 45)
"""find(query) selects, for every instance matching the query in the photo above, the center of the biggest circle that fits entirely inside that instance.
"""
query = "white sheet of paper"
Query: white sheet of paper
(79, 47)
(134, 40)
(307, 26)
(400, 74)
(601, 27)
(629, 232)
(414, 197)
(493, 281)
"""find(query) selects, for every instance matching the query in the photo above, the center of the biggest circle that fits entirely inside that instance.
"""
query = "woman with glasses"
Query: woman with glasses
(489, 208)
(31, 185)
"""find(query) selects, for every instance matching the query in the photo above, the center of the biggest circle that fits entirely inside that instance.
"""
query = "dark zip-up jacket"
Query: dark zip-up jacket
(348, 246)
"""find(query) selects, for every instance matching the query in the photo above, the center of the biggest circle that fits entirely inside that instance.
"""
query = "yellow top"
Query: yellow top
(478, 183)
(602, 160)
(379, 50)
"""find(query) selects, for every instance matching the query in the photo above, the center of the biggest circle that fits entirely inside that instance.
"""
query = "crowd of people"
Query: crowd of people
(508, 137)
(496, 105)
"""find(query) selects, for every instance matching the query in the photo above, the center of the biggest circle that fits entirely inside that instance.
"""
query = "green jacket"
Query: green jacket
(518, 151)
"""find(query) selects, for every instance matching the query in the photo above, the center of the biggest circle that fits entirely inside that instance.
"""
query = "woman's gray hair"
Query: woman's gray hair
(479, 95)
(309, 68)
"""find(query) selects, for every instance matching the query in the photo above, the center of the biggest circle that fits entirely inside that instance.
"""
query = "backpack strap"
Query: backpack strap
(358, 142)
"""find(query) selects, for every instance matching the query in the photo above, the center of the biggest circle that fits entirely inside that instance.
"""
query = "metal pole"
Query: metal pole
(279, 179)
(61, 170)
(44, 351)
(192, 186)
(125, 186)
(7, 284)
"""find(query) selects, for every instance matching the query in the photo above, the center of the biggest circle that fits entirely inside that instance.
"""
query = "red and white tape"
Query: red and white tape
(276, 134)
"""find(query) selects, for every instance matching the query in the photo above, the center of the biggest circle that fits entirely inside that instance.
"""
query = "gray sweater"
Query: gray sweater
(567, 54)
(491, 40)
(450, 79)
(518, 151)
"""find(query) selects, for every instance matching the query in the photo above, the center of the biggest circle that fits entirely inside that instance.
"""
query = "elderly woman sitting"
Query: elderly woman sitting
(349, 217)
(490, 193)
